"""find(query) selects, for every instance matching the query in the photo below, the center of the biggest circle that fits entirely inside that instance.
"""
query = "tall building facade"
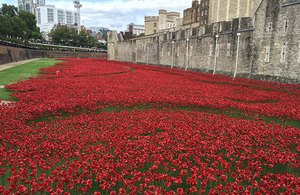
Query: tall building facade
(151, 24)
(48, 16)
(226, 10)
(204, 12)
(211, 11)
(165, 21)
(30, 5)
(135, 29)
(191, 16)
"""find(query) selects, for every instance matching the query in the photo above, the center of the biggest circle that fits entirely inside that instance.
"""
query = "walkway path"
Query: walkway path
(9, 65)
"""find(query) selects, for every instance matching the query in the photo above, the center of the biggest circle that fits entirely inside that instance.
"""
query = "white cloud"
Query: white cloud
(116, 14)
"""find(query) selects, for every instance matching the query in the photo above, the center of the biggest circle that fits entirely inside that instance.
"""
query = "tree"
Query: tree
(32, 30)
(74, 37)
(18, 24)
(83, 39)
(60, 35)
(9, 10)
(18, 28)
(92, 41)
(141, 35)
(5, 25)
(36, 35)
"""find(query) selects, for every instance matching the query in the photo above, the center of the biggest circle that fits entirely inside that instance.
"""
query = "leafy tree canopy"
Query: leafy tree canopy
(9, 10)
(18, 24)
(69, 36)
(141, 35)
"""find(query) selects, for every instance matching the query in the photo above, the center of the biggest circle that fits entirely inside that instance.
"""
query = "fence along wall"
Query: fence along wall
(269, 46)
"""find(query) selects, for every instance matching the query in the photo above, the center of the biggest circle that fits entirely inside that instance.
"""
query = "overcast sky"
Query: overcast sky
(116, 14)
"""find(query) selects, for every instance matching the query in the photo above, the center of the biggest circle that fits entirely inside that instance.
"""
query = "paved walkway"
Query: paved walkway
(9, 65)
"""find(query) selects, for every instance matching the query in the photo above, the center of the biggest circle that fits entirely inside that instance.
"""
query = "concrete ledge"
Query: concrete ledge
(289, 4)
(246, 30)
(206, 35)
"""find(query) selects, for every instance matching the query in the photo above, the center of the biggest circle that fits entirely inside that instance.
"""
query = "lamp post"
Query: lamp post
(136, 55)
(172, 54)
(147, 55)
(216, 50)
(187, 54)
(78, 6)
(237, 54)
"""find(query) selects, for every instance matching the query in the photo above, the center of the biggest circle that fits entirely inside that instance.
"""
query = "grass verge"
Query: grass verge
(14, 74)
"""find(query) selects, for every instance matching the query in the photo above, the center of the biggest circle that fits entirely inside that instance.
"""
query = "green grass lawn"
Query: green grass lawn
(30, 69)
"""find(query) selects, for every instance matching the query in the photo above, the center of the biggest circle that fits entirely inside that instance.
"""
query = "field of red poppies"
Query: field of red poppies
(105, 127)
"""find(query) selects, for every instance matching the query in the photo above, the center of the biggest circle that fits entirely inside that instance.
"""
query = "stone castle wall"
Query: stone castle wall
(269, 46)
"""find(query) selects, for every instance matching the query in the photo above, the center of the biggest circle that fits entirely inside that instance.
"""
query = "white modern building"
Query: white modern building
(30, 5)
(135, 29)
(48, 16)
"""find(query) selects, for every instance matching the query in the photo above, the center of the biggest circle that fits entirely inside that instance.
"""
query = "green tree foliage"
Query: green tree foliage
(19, 28)
(141, 35)
(32, 31)
(92, 41)
(18, 24)
(83, 39)
(70, 37)
(5, 25)
(60, 35)
(74, 37)
(9, 10)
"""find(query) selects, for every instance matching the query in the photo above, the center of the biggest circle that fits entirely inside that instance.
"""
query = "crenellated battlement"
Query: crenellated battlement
(151, 18)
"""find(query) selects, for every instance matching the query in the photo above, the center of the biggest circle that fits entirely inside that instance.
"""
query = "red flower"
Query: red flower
(223, 178)
(167, 184)
(193, 189)
(70, 186)
(180, 191)
(122, 191)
